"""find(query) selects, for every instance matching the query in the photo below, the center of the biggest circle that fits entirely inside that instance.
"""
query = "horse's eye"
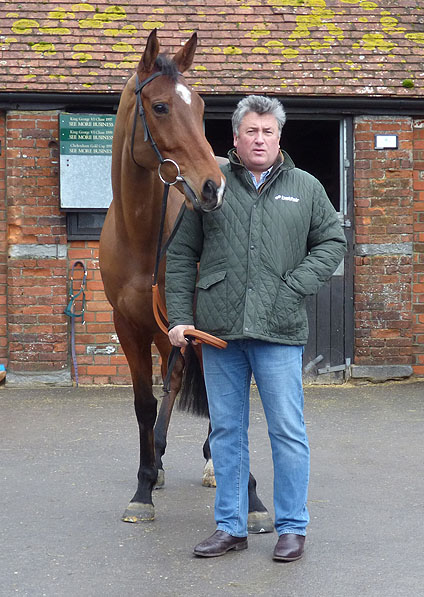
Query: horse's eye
(161, 108)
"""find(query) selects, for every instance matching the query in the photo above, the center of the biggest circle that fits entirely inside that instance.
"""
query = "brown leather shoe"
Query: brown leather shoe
(218, 544)
(289, 547)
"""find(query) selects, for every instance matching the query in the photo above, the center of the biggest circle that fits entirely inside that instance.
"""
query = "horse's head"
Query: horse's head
(169, 135)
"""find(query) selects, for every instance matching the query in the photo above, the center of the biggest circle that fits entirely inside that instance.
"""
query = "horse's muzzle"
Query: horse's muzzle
(212, 195)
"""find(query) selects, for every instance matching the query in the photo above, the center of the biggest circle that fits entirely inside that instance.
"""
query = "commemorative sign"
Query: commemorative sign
(85, 161)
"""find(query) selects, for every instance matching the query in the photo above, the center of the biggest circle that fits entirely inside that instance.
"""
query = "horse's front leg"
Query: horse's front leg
(137, 348)
(258, 520)
(141, 508)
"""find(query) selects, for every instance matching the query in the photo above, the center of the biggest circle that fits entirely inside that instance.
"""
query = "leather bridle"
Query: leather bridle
(139, 110)
(159, 308)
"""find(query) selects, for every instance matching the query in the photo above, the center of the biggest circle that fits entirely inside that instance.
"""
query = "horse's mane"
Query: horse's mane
(167, 66)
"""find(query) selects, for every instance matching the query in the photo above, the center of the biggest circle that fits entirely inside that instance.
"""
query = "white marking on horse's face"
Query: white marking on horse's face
(184, 93)
(220, 193)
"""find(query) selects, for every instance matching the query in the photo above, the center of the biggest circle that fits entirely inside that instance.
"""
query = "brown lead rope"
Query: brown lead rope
(204, 338)
(191, 335)
(161, 318)
(159, 308)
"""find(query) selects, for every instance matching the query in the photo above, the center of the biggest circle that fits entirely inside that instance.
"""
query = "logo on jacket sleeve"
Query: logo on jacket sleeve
(286, 198)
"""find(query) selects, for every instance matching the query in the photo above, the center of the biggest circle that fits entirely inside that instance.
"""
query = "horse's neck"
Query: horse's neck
(137, 199)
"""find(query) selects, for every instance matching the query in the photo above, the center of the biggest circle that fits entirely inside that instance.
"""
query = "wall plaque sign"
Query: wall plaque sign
(386, 142)
(85, 161)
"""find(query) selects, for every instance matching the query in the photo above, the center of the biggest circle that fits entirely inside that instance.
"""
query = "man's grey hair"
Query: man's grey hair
(261, 105)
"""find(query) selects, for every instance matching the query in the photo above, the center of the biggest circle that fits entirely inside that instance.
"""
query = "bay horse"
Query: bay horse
(158, 138)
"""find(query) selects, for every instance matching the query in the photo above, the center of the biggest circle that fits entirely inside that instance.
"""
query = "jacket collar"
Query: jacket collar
(283, 162)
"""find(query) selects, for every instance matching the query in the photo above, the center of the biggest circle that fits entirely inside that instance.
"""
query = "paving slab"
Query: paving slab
(68, 462)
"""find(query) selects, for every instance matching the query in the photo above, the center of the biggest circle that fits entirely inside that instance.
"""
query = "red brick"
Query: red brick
(101, 370)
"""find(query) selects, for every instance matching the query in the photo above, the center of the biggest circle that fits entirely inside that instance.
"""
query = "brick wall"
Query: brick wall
(36, 273)
(99, 355)
(35, 266)
(384, 223)
(100, 359)
(35, 256)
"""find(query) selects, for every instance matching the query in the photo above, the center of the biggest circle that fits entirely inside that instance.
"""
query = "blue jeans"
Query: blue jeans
(278, 374)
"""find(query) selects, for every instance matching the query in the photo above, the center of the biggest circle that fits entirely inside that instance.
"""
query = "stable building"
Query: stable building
(350, 75)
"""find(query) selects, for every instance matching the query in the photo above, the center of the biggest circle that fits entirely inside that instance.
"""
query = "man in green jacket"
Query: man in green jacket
(275, 240)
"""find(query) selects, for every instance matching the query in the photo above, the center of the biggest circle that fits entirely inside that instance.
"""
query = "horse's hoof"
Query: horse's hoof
(259, 522)
(208, 479)
(160, 481)
(137, 512)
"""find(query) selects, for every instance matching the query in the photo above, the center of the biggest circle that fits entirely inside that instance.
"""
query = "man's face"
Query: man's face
(258, 141)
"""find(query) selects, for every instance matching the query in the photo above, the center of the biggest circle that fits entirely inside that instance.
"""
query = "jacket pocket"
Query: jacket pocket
(208, 280)
(211, 302)
(288, 317)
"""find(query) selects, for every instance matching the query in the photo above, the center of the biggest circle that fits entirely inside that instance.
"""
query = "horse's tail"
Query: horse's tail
(193, 398)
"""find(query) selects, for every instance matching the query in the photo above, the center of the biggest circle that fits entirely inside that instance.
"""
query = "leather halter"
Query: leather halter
(159, 308)
(139, 109)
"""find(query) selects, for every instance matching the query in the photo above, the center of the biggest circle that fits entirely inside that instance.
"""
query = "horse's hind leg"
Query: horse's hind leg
(137, 348)
(167, 404)
(208, 479)
(258, 520)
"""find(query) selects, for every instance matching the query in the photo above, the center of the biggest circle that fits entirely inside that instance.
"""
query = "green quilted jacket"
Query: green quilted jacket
(259, 256)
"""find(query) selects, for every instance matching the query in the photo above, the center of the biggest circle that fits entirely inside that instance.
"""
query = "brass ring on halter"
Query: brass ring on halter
(177, 178)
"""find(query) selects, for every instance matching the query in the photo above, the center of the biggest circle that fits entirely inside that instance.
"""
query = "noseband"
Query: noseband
(148, 137)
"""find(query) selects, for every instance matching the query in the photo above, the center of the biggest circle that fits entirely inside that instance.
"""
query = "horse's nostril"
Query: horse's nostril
(210, 190)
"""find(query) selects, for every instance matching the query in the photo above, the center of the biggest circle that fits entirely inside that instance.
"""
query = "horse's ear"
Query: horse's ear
(151, 51)
(184, 57)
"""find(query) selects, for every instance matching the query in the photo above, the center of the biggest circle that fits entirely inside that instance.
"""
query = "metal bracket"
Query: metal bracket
(329, 369)
(312, 363)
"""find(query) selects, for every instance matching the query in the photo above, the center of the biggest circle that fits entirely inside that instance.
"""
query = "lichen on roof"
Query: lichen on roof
(324, 47)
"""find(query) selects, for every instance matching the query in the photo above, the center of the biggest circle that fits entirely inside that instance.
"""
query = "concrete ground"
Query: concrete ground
(68, 462)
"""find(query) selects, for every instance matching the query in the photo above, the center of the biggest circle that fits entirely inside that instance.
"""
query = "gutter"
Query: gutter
(219, 105)
(59, 101)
